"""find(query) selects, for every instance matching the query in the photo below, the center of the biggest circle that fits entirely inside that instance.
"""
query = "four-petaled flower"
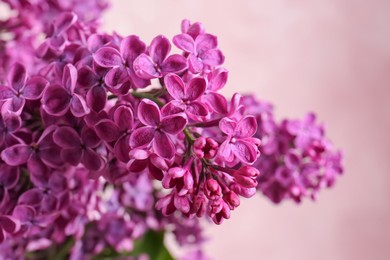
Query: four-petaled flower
(157, 64)
(58, 99)
(20, 89)
(157, 129)
(203, 51)
(239, 142)
(186, 96)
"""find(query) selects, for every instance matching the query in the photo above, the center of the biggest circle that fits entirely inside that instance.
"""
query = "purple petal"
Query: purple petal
(51, 156)
(145, 68)
(72, 155)
(89, 138)
(195, 64)
(195, 88)
(17, 76)
(149, 113)
(225, 150)
(174, 64)
(9, 224)
(116, 77)
(247, 127)
(31, 197)
(131, 47)
(34, 87)
(107, 57)
(212, 57)
(122, 148)
(9, 176)
(58, 183)
(6, 93)
(159, 49)
(91, 160)
(173, 124)
(56, 100)
(196, 109)
(228, 126)
(217, 102)
(12, 122)
(142, 136)
(69, 77)
(184, 42)
(173, 107)
(24, 213)
(64, 21)
(245, 151)
(96, 98)
(206, 42)
(163, 146)
(14, 105)
(124, 118)
(67, 137)
(107, 130)
(218, 79)
(175, 86)
(87, 77)
(35, 165)
(16, 155)
(78, 106)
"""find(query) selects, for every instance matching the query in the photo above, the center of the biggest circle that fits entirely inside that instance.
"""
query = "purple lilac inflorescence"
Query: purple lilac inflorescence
(107, 143)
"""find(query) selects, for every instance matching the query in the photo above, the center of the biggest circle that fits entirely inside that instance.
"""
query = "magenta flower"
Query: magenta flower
(203, 51)
(186, 96)
(118, 131)
(39, 155)
(157, 129)
(78, 148)
(121, 62)
(20, 89)
(239, 142)
(157, 64)
(58, 99)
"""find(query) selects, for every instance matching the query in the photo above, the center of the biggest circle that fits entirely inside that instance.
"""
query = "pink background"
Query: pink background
(331, 57)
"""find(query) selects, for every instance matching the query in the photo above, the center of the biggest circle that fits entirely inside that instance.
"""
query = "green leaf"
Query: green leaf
(153, 244)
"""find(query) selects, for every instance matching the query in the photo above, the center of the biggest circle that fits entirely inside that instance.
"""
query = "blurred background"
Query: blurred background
(331, 57)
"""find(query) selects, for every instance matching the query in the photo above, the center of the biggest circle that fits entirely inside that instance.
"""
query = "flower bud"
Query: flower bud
(205, 147)
(212, 189)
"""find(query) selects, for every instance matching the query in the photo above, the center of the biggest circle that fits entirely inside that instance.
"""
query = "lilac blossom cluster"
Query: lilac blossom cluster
(107, 141)
(297, 159)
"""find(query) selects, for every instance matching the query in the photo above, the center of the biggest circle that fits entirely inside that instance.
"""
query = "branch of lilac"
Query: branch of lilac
(96, 163)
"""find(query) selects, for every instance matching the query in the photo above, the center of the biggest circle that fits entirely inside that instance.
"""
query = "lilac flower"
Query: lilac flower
(202, 51)
(20, 89)
(121, 62)
(157, 64)
(117, 130)
(38, 155)
(239, 142)
(157, 129)
(186, 96)
(58, 99)
(79, 148)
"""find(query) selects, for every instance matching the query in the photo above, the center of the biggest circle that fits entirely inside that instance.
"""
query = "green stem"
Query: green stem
(188, 135)
(148, 96)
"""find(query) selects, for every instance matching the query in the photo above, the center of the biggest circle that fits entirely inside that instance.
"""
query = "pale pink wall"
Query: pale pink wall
(331, 57)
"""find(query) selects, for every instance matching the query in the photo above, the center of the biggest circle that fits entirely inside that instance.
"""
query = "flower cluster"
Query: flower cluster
(107, 142)
(297, 159)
